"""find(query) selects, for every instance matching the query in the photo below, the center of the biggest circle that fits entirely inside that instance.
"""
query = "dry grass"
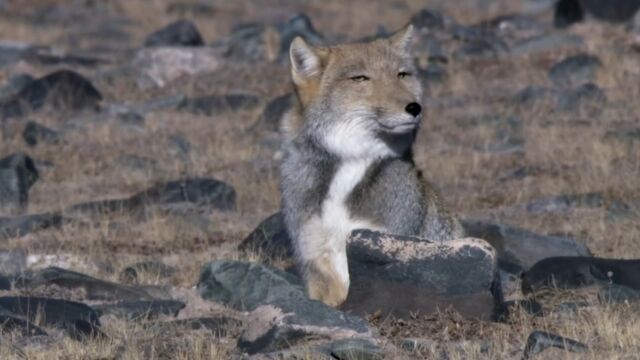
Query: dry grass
(563, 158)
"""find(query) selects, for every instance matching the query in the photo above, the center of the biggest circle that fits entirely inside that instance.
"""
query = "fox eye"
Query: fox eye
(359, 78)
(403, 74)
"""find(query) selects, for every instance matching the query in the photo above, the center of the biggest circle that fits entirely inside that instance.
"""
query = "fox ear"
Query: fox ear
(401, 40)
(305, 61)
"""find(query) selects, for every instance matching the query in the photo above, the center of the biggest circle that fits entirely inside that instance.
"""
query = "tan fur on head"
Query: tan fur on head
(323, 282)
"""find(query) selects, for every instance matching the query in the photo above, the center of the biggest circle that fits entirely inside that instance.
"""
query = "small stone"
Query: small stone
(178, 33)
(269, 239)
(575, 70)
(519, 249)
(576, 272)
(273, 112)
(63, 90)
(77, 319)
(12, 227)
(539, 341)
(18, 173)
(35, 133)
(94, 289)
(545, 43)
(587, 95)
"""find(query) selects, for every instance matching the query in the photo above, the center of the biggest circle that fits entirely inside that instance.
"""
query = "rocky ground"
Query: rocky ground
(138, 160)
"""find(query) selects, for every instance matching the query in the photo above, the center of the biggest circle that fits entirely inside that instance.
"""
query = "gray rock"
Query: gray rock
(297, 25)
(568, 12)
(588, 96)
(273, 112)
(575, 70)
(14, 85)
(35, 133)
(169, 102)
(564, 203)
(11, 324)
(206, 192)
(178, 33)
(94, 289)
(430, 20)
(520, 249)
(575, 272)
(356, 349)
(539, 341)
(281, 314)
(77, 319)
(12, 262)
(618, 294)
(11, 227)
(158, 66)
(12, 52)
(269, 239)
(546, 43)
(17, 174)
(137, 310)
(628, 134)
(430, 276)
(63, 90)
(218, 104)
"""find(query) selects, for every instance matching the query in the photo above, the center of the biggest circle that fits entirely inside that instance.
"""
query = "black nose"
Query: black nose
(413, 109)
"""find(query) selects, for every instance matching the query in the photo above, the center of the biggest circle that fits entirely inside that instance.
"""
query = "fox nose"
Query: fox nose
(413, 109)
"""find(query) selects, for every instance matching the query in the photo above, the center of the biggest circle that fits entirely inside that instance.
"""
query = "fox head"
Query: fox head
(358, 100)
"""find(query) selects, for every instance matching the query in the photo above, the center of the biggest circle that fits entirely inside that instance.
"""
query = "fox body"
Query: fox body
(348, 156)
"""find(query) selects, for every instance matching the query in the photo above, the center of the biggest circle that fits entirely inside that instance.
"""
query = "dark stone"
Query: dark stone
(430, 20)
(35, 133)
(245, 43)
(281, 313)
(219, 326)
(135, 310)
(5, 283)
(273, 112)
(587, 95)
(178, 33)
(567, 12)
(298, 25)
(531, 95)
(565, 203)
(77, 319)
(519, 249)
(618, 294)
(629, 134)
(569, 272)
(64, 90)
(11, 227)
(575, 70)
(12, 53)
(17, 174)
(94, 289)
(218, 104)
(539, 341)
(10, 324)
(356, 349)
(14, 85)
(546, 43)
(153, 268)
(430, 276)
(197, 191)
(47, 57)
(270, 239)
